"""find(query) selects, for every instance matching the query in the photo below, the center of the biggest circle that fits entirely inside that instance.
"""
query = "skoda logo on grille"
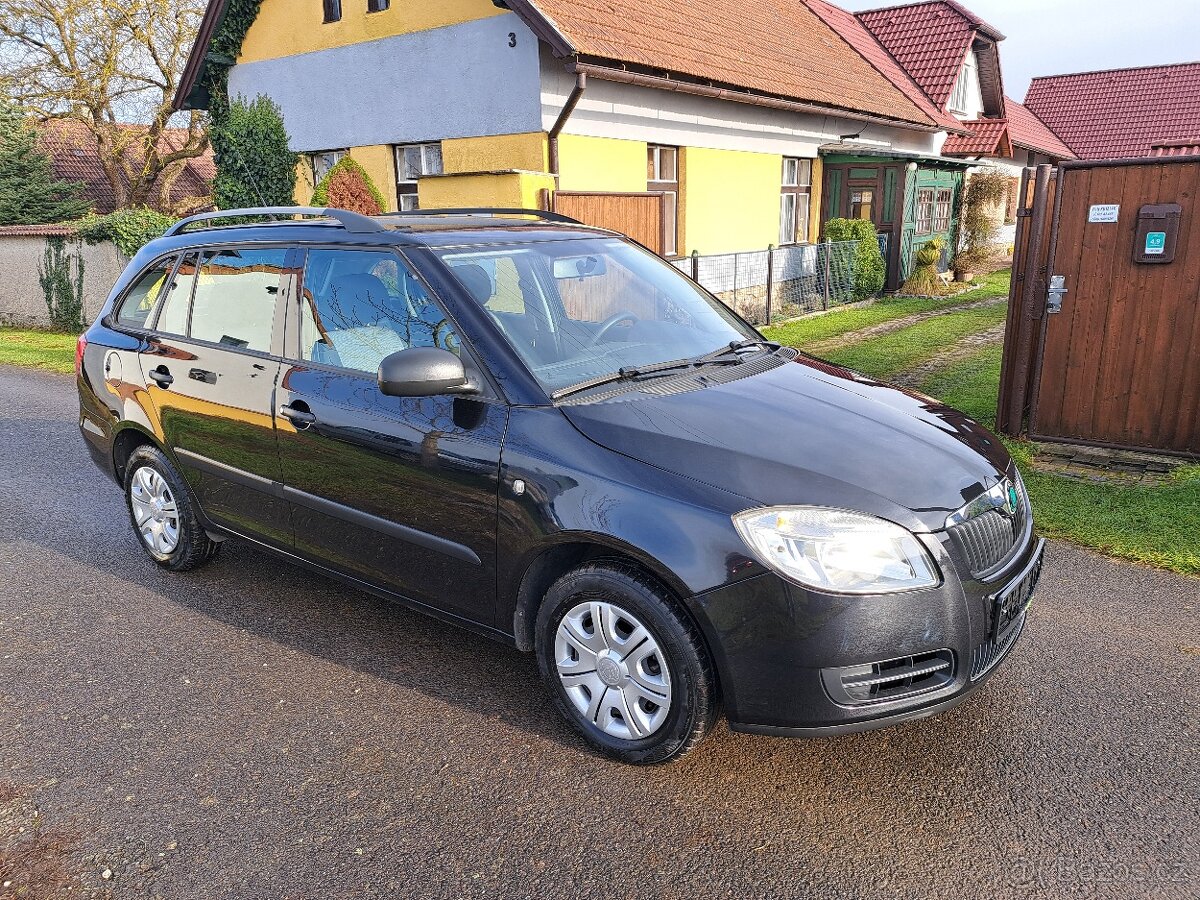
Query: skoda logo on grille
(1004, 497)
(1014, 500)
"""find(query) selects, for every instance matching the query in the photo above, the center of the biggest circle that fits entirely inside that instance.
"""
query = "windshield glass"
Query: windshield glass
(577, 310)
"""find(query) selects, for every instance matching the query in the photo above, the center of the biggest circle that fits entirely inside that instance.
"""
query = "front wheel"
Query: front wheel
(162, 513)
(625, 666)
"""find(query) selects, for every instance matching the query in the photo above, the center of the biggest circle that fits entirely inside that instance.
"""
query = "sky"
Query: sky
(1054, 37)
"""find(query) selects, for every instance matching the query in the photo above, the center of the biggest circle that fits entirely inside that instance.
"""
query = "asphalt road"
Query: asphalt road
(252, 731)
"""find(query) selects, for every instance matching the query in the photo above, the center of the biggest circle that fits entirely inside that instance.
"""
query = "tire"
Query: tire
(149, 478)
(653, 651)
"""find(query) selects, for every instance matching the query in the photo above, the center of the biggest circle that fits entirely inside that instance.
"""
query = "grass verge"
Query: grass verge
(38, 349)
(830, 325)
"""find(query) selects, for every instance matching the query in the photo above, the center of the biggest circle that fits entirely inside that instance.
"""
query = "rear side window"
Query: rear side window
(146, 293)
(233, 301)
(359, 306)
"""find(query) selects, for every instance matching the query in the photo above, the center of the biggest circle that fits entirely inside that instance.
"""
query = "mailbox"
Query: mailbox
(1157, 233)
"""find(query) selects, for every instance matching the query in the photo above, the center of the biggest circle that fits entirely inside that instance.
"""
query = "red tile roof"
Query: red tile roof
(1176, 148)
(856, 34)
(774, 47)
(36, 231)
(930, 40)
(1120, 113)
(1028, 131)
(73, 151)
(988, 137)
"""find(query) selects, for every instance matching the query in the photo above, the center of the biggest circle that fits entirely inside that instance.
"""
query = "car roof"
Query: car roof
(431, 228)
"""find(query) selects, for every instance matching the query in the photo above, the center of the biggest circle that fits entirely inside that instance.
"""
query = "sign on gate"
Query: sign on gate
(1104, 212)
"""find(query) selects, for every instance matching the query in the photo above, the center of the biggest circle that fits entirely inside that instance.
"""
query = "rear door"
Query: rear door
(211, 370)
(399, 492)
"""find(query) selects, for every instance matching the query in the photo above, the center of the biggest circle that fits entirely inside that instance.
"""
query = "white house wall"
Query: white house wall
(459, 81)
(632, 112)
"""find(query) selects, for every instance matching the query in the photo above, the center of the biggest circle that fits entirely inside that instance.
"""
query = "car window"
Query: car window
(145, 294)
(173, 317)
(580, 309)
(233, 302)
(359, 306)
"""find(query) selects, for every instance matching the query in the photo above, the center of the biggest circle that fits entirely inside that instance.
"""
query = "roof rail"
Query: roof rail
(353, 222)
(490, 211)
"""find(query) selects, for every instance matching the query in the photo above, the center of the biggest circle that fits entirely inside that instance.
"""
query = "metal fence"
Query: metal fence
(765, 286)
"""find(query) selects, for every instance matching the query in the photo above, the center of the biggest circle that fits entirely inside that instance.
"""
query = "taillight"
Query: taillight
(80, 346)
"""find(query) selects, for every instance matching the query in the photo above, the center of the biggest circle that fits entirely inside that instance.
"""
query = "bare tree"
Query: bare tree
(107, 64)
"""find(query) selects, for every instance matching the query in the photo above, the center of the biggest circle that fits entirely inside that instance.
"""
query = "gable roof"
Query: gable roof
(929, 40)
(856, 34)
(986, 137)
(770, 49)
(1120, 112)
(75, 157)
(1028, 131)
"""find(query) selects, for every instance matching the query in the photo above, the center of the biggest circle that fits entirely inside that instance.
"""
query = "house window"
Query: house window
(322, 161)
(333, 10)
(965, 88)
(862, 204)
(377, 5)
(793, 207)
(412, 162)
(662, 174)
(941, 210)
(925, 203)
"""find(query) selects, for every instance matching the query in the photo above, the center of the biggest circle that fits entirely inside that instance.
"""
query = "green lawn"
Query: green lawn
(855, 318)
(39, 349)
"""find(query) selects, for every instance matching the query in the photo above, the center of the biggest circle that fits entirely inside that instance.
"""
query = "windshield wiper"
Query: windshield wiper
(724, 355)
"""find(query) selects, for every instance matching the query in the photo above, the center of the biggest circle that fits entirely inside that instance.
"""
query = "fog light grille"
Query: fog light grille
(892, 679)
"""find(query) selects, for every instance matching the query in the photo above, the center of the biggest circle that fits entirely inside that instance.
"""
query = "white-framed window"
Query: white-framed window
(925, 204)
(322, 161)
(794, 201)
(943, 209)
(412, 162)
(964, 99)
(662, 174)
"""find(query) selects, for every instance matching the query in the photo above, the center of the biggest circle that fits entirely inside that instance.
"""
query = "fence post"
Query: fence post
(696, 266)
(825, 297)
(770, 277)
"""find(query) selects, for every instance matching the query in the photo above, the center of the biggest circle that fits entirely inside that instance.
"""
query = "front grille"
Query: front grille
(989, 539)
(891, 679)
(990, 652)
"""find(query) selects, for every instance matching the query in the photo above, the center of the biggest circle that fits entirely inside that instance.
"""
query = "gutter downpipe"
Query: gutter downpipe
(561, 122)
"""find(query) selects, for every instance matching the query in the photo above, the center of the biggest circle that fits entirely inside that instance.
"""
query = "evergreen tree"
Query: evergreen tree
(254, 165)
(30, 192)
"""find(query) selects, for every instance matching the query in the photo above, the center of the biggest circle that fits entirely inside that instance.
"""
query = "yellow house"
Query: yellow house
(671, 120)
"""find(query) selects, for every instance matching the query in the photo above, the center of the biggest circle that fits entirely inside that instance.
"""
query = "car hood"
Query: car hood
(807, 432)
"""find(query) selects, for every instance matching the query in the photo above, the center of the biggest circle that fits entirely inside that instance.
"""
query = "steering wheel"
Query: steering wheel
(607, 325)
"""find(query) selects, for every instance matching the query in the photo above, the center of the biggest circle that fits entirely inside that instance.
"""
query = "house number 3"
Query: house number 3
(512, 39)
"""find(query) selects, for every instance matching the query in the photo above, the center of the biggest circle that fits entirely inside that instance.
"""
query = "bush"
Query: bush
(129, 229)
(924, 280)
(254, 165)
(986, 189)
(870, 271)
(348, 186)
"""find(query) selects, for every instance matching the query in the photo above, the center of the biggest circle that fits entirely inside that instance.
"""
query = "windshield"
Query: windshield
(577, 310)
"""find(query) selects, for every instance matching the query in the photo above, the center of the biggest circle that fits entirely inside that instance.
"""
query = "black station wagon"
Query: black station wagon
(542, 431)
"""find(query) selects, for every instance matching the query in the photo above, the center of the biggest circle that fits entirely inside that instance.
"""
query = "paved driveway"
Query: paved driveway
(251, 731)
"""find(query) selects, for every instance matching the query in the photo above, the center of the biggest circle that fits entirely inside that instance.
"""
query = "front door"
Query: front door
(210, 369)
(399, 492)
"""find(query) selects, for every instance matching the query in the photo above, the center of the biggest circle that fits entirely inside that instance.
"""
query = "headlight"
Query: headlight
(836, 550)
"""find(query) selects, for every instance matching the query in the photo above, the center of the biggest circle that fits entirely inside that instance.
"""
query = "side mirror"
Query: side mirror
(423, 372)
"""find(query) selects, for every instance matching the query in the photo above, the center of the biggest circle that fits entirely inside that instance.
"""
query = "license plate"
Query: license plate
(1008, 604)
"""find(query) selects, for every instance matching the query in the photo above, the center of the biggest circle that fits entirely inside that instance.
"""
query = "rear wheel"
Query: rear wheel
(624, 665)
(162, 512)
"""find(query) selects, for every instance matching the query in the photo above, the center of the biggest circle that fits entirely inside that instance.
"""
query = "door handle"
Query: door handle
(203, 375)
(298, 415)
(162, 377)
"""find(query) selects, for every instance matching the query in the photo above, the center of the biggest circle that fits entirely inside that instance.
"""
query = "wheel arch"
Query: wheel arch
(127, 440)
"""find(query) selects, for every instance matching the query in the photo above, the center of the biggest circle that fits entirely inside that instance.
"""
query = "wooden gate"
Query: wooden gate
(1119, 364)
(641, 216)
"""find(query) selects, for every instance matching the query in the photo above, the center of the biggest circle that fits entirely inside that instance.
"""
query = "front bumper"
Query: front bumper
(778, 648)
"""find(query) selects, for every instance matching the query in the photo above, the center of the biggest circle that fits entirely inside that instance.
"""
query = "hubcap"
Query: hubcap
(154, 510)
(613, 670)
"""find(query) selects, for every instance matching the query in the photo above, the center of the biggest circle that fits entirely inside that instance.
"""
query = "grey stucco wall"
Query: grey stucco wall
(458, 81)
(21, 300)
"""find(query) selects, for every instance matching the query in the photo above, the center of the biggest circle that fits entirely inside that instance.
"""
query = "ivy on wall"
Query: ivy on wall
(223, 51)
(61, 277)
